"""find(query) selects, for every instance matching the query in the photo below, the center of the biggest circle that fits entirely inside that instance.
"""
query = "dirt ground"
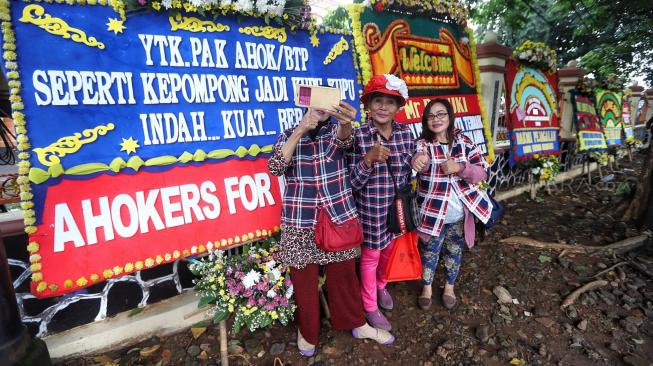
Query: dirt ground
(611, 325)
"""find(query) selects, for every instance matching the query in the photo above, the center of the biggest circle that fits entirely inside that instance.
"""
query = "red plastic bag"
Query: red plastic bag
(404, 263)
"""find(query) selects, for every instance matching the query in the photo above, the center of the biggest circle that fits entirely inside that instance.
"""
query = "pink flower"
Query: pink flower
(251, 301)
(142, 2)
(284, 302)
(261, 301)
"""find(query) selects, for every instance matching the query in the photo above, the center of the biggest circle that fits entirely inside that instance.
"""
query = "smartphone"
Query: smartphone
(320, 97)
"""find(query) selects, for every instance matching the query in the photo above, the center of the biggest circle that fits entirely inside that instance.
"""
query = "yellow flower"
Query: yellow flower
(230, 308)
(41, 286)
(33, 247)
(129, 267)
(68, 284)
(156, 5)
(274, 314)
(37, 276)
(82, 281)
(94, 277)
(149, 262)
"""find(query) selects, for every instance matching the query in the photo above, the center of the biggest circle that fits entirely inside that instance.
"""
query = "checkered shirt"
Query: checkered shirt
(373, 187)
(316, 176)
(435, 187)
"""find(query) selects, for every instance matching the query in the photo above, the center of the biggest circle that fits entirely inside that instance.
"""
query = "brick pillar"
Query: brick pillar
(492, 64)
(569, 77)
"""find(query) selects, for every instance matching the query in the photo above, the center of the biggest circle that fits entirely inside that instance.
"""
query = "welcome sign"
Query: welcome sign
(144, 139)
(437, 59)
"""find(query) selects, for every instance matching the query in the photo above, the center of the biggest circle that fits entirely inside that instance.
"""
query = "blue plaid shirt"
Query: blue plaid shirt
(316, 176)
(373, 187)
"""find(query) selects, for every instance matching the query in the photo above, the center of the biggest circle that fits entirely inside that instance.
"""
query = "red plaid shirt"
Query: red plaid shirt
(316, 176)
(373, 187)
(435, 187)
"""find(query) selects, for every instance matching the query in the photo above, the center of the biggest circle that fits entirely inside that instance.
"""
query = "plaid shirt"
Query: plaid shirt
(435, 187)
(316, 176)
(373, 187)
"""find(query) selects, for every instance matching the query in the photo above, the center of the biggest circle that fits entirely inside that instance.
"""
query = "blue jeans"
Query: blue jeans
(451, 240)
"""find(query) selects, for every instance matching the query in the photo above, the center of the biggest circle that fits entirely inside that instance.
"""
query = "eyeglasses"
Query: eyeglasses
(440, 116)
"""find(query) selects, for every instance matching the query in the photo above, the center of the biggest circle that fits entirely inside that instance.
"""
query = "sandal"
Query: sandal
(448, 301)
(379, 335)
(424, 303)
(305, 348)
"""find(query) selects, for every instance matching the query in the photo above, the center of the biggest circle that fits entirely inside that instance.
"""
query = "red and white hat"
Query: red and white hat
(386, 84)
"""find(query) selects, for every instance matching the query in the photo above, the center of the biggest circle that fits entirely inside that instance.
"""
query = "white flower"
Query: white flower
(535, 171)
(289, 292)
(275, 274)
(244, 5)
(251, 278)
(166, 3)
(394, 83)
(209, 246)
(271, 294)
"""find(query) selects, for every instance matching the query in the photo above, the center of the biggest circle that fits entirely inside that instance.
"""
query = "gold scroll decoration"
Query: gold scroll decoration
(67, 145)
(385, 51)
(268, 32)
(35, 14)
(337, 50)
(192, 24)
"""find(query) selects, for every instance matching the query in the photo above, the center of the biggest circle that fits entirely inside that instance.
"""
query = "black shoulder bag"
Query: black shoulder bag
(403, 214)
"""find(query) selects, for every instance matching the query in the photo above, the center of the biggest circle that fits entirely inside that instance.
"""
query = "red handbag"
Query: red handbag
(404, 263)
(332, 237)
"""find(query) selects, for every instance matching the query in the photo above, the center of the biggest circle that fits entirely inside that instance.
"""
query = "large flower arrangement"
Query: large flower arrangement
(295, 14)
(454, 10)
(254, 286)
(537, 55)
(633, 142)
(544, 168)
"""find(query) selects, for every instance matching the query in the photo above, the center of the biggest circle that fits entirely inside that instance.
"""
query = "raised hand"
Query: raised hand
(343, 112)
(378, 153)
(308, 122)
(419, 163)
(450, 167)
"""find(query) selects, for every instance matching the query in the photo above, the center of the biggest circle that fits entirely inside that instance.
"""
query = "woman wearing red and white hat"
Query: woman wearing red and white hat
(383, 150)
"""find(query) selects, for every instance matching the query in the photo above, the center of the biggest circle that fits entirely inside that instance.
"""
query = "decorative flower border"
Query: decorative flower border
(362, 61)
(38, 175)
(489, 142)
(444, 10)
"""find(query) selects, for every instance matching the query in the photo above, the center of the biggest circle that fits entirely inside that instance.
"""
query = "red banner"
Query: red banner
(113, 225)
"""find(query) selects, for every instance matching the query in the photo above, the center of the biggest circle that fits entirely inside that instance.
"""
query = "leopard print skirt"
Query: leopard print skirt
(298, 249)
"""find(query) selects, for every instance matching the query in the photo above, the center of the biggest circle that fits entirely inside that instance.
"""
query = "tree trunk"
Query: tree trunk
(640, 205)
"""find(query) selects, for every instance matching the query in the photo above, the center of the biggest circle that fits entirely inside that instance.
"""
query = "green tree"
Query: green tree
(606, 36)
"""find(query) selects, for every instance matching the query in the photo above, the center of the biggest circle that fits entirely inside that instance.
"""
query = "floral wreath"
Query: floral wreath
(295, 14)
(537, 55)
(446, 10)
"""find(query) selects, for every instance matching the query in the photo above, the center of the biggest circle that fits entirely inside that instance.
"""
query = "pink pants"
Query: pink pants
(372, 267)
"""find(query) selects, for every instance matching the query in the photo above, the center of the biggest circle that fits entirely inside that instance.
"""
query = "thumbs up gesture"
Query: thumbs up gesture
(378, 153)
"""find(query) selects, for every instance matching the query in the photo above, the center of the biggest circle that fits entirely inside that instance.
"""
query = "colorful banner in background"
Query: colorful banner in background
(625, 117)
(149, 143)
(532, 112)
(608, 108)
(589, 130)
(435, 58)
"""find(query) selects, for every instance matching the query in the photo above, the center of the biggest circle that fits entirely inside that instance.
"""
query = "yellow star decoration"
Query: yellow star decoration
(115, 25)
(129, 145)
(315, 41)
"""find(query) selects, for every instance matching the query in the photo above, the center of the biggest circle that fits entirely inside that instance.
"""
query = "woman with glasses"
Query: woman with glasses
(449, 166)
(382, 154)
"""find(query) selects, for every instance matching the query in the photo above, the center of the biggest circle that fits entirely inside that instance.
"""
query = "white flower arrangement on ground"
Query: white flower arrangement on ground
(254, 286)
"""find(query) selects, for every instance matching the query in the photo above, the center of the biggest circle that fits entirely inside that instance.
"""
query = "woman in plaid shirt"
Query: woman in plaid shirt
(449, 165)
(311, 157)
(383, 148)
